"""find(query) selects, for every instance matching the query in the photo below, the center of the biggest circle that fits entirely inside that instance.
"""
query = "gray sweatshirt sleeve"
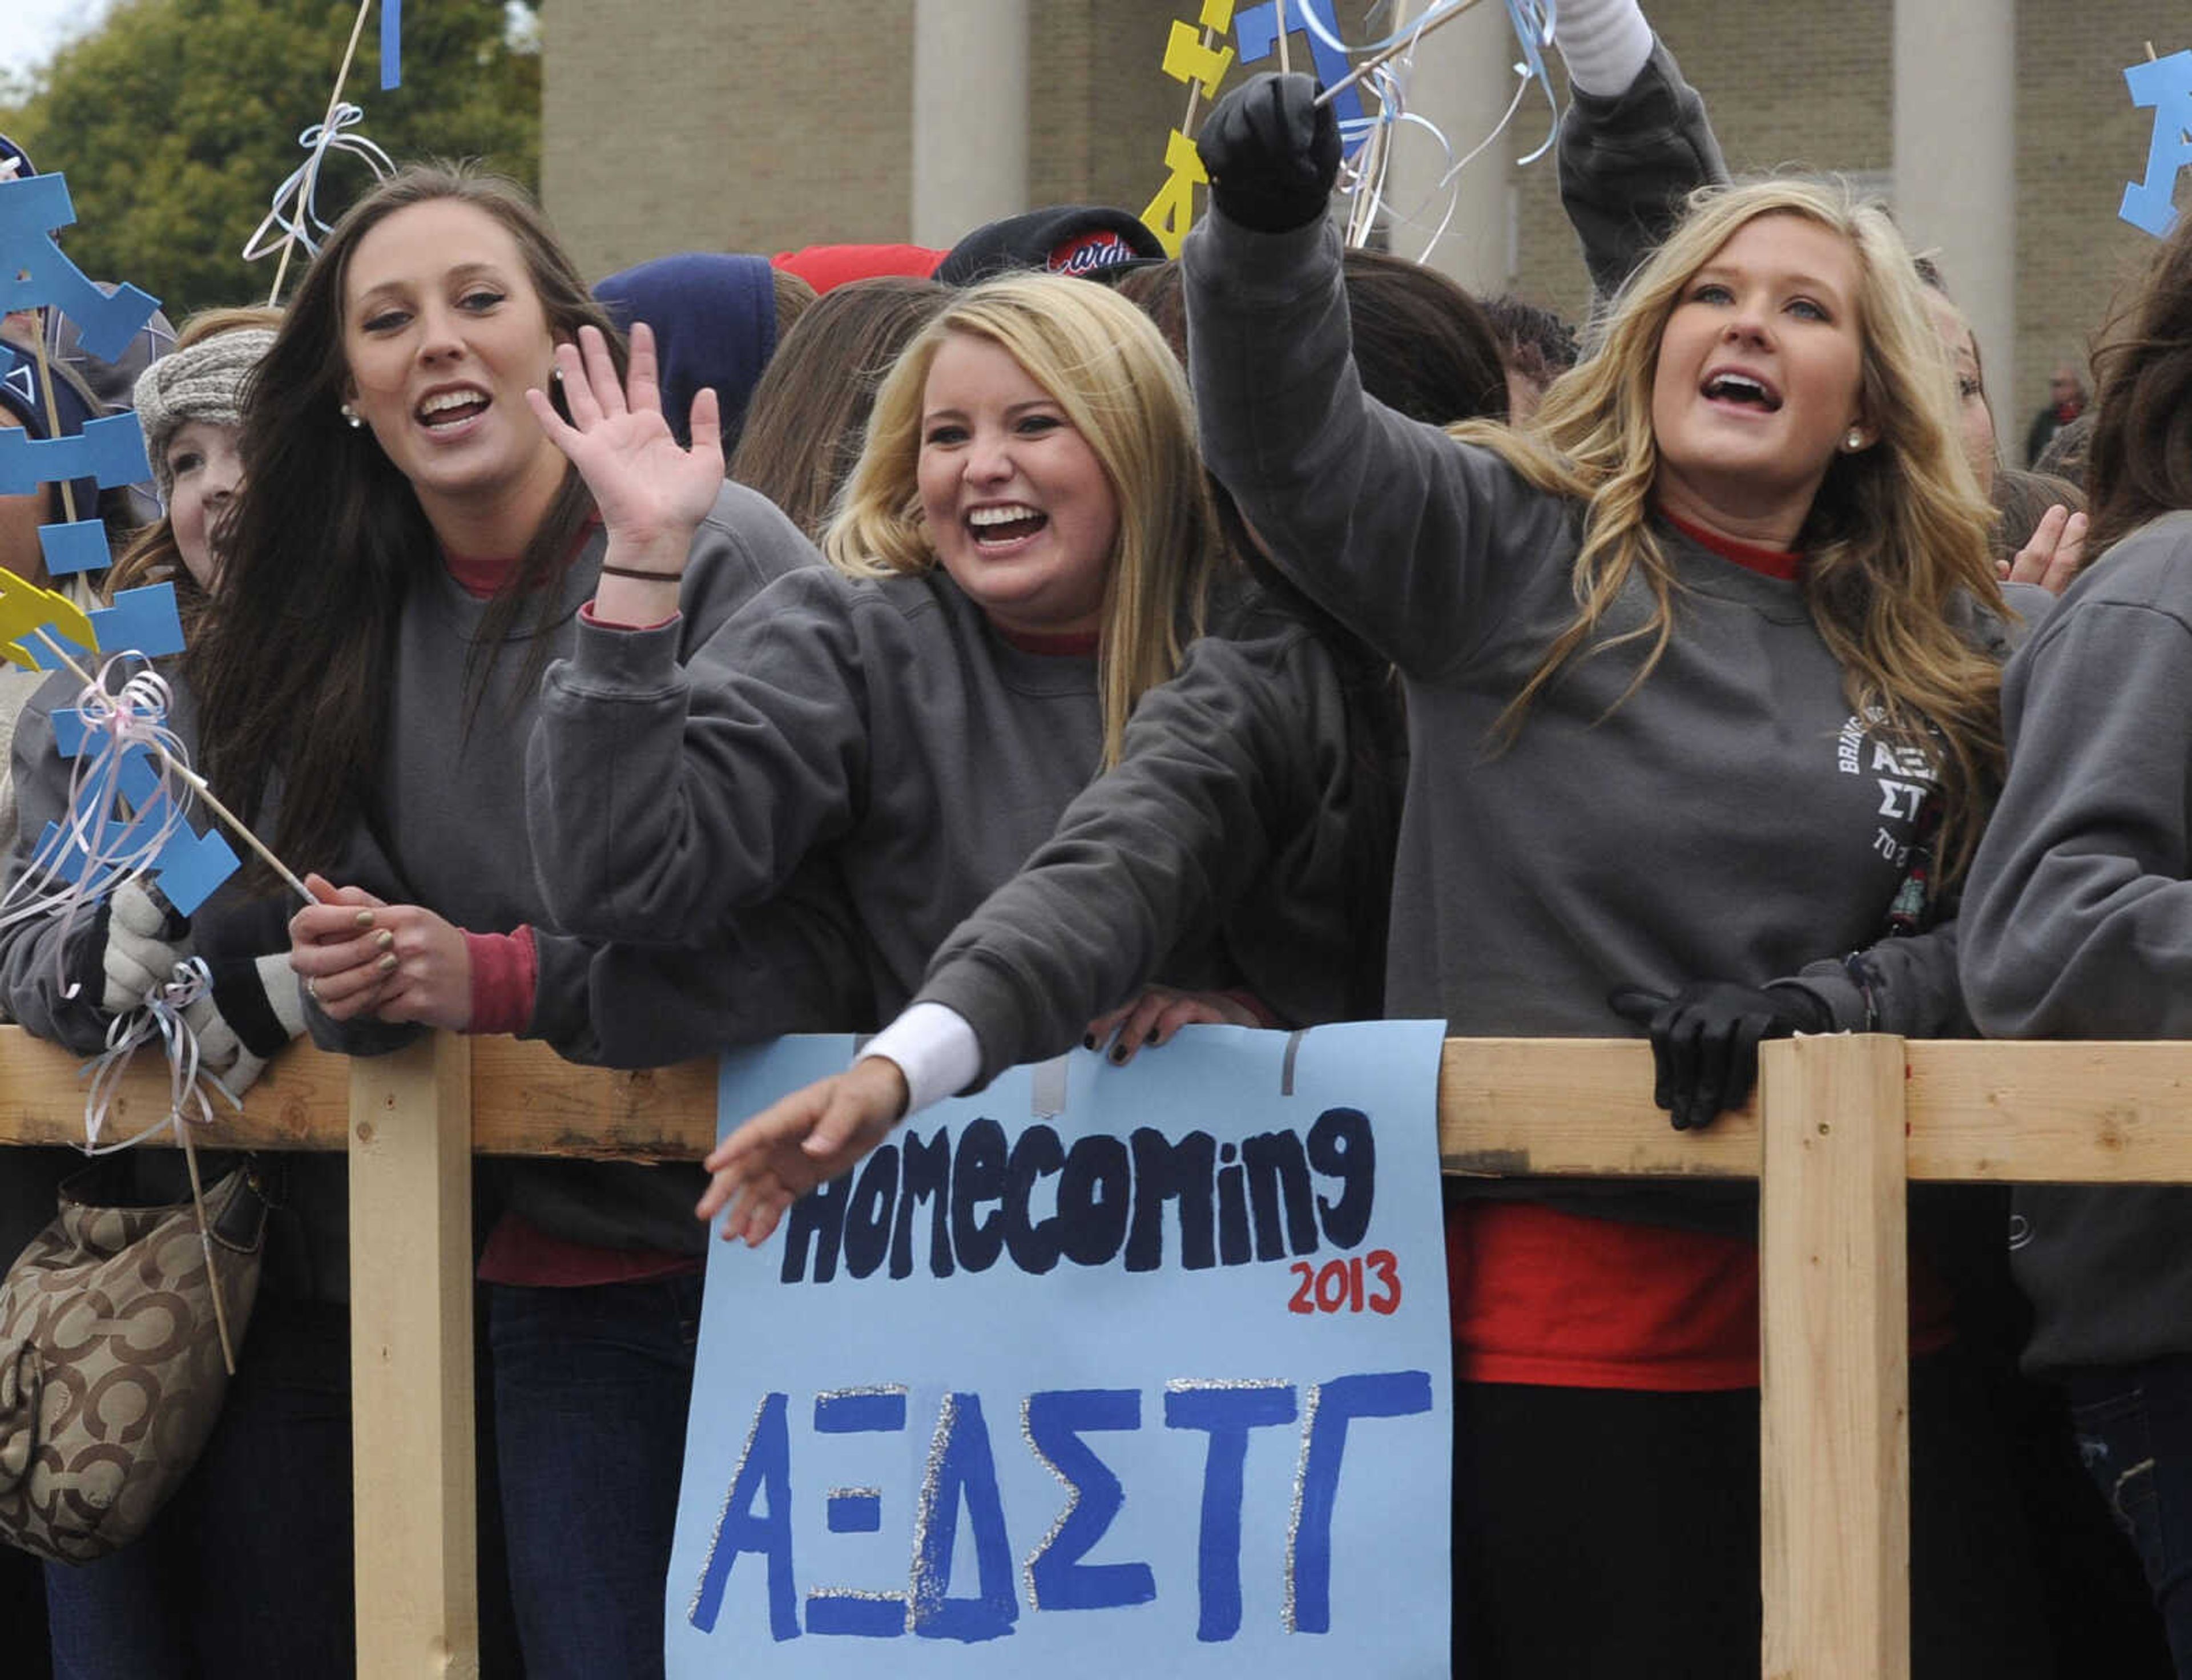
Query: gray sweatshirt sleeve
(793, 965)
(1628, 162)
(1907, 986)
(2078, 918)
(1150, 855)
(663, 797)
(34, 955)
(1410, 539)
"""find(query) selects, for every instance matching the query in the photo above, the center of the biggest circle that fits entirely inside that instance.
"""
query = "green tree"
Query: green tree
(176, 119)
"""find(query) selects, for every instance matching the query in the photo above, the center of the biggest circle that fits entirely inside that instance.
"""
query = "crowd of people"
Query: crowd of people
(1047, 642)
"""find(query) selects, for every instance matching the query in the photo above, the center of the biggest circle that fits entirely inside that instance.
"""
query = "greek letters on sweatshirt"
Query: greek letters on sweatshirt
(2078, 922)
(1731, 819)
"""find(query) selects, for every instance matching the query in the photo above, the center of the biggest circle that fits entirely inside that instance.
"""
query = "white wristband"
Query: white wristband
(934, 1048)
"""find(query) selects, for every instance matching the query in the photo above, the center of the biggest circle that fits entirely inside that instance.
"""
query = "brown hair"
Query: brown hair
(794, 298)
(2138, 457)
(808, 415)
(1423, 347)
(328, 538)
(2021, 501)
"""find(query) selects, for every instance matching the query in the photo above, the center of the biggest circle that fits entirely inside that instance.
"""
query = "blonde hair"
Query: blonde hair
(152, 556)
(1897, 532)
(1107, 366)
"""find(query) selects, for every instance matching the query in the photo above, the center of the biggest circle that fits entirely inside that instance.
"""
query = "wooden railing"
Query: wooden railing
(1840, 1124)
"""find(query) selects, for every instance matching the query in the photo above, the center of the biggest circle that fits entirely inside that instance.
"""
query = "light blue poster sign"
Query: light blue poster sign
(1108, 1371)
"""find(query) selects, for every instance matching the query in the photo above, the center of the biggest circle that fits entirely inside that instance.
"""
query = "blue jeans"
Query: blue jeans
(2134, 1429)
(246, 1573)
(590, 1391)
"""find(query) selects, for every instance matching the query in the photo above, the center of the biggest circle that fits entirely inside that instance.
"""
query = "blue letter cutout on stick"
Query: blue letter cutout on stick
(33, 271)
(188, 867)
(2166, 85)
(1256, 31)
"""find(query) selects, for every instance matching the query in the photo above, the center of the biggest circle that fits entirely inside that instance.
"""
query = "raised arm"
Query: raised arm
(1406, 537)
(1634, 141)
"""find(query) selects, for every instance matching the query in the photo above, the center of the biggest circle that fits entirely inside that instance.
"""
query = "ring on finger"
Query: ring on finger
(313, 990)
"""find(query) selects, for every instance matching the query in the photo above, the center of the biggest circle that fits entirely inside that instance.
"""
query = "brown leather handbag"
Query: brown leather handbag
(112, 1367)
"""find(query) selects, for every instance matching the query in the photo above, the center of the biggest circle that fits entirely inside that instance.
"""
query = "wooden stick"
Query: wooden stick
(236, 826)
(205, 1242)
(1279, 21)
(53, 424)
(1195, 87)
(1393, 51)
(198, 785)
(313, 168)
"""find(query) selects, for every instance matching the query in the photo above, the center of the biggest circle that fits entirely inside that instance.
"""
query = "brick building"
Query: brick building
(2001, 130)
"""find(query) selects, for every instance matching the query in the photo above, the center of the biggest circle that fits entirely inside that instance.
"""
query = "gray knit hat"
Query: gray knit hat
(204, 382)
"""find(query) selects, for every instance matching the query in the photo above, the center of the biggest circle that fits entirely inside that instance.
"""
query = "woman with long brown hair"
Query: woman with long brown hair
(2077, 922)
(411, 554)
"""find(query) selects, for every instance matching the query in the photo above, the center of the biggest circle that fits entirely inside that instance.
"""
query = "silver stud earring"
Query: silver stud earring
(351, 415)
(1853, 440)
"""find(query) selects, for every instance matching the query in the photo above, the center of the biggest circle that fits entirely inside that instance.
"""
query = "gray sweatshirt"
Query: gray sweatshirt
(1240, 764)
(1628, 163)
(1228, 815)
(447, 831)
(885, 727)
(2078, 922)
(1731, 821)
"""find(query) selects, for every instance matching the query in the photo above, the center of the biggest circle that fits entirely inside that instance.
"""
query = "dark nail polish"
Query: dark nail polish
(1087, 1041)
(1118, 1053)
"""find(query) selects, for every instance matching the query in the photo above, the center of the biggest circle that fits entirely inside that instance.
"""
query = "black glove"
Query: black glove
(1706, 1038)
(1272, 154)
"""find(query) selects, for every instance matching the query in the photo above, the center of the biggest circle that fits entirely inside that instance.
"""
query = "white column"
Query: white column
(970, 116)
(1956, 164)
(1461, 81)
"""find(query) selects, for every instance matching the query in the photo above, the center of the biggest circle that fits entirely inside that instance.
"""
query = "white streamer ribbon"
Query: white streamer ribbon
(295, 210)
(1386, 85)
(112, 845)
(160, 1018)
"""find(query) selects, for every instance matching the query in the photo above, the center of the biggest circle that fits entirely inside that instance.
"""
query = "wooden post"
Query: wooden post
(1834, 1340)
(411, 1362)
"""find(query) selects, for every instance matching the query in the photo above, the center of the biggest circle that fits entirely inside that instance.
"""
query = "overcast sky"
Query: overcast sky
(35, 27)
